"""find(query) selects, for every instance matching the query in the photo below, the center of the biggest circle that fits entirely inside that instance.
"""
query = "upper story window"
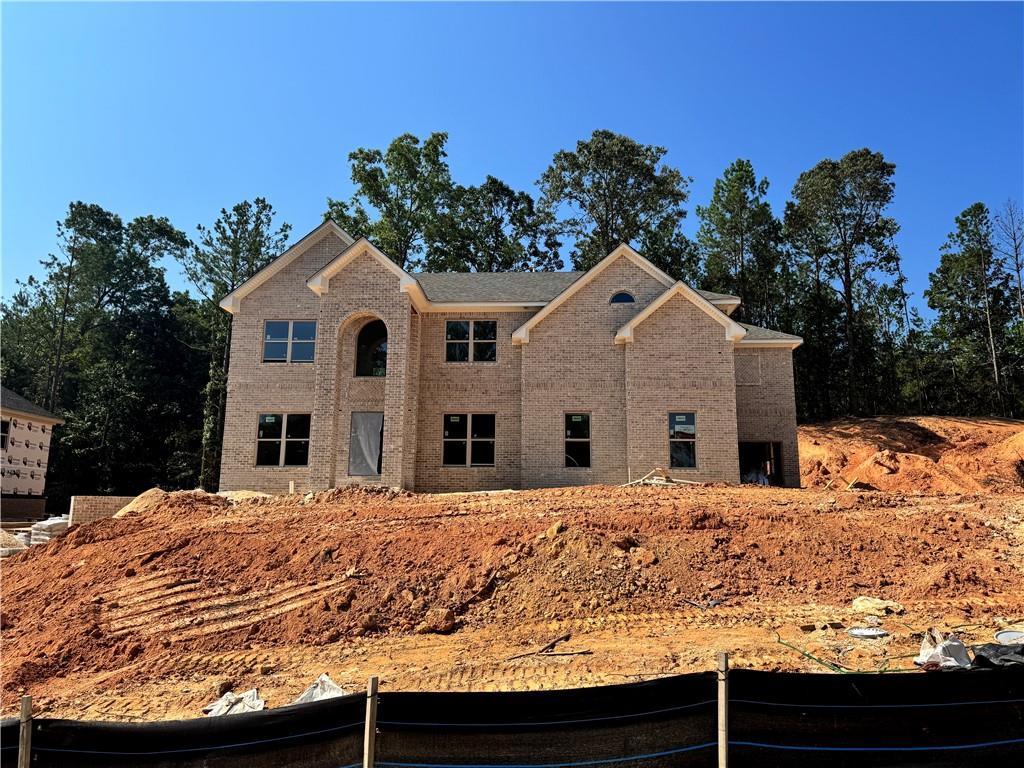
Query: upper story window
(5, 431)
(622, 297)
(372, 350)
(471, 340)
(289, 341)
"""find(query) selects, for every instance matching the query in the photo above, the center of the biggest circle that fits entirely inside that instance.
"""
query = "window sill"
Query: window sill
(280, 466)
(468, 466)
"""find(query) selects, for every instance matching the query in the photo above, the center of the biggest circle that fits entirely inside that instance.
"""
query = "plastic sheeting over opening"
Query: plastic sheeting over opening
(364, 451)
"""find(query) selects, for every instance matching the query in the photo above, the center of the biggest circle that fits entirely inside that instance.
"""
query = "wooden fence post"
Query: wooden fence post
(25, 733)
(370, 732)
(723, 709)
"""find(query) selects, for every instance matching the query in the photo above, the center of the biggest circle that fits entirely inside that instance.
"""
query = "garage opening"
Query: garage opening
(761, 463)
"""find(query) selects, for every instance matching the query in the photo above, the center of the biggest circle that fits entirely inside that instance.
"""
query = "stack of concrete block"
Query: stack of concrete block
(45, 530)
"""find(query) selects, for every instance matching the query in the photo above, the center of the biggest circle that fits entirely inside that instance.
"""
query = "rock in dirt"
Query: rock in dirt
(873, 606)
(438, 621)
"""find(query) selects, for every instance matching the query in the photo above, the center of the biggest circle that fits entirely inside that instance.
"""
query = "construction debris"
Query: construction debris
(942, 652)
(323, 688)
(659, 476)
(234, 704)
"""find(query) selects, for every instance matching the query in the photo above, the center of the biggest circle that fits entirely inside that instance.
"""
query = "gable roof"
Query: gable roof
(320, 279)
(12, 401)
(233, 300)
(522, 334)
(733, 330)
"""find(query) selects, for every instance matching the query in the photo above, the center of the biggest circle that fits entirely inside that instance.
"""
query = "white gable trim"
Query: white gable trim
(733, 330)
(320, 281)
(522, 334)
(233, 301)
(792, 343)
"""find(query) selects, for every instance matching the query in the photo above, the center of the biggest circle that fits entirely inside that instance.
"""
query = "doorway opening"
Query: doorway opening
(365, 445)
(761, 463)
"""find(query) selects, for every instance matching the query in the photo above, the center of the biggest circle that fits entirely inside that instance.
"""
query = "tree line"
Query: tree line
(140, 372)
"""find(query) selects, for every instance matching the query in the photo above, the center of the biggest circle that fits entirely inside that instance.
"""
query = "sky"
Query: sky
(181, 109)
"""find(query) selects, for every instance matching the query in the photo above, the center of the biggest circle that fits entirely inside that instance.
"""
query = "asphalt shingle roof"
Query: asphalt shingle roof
(756, 333)
(12, 401)
(527, 287)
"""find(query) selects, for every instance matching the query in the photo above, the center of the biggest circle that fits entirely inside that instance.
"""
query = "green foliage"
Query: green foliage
(612, 190)
(239, 244)
(837, 217)
(407, 186)
(492, 228)
(96, 341)
(740, 242)
(970, 292)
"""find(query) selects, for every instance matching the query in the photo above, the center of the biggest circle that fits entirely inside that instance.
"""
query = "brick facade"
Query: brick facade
(678, 360)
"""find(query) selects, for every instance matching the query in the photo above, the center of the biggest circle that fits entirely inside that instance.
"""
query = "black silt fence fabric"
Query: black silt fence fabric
(9, 742)
(955, 718)
(667, 722)
(327, 733)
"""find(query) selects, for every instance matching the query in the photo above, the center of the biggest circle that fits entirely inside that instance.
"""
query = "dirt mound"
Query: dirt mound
(157, 594)
(928, 455)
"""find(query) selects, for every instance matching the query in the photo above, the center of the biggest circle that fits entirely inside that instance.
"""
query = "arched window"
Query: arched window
(372, 350)
(622, 297)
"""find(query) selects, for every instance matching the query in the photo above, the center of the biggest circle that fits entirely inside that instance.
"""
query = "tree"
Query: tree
(239, 244)
(612, 190)
(492, 228)
(1009, 242)
(739, 241)
(407, 186)
(842, 203)
(970, 293)
(99, 340)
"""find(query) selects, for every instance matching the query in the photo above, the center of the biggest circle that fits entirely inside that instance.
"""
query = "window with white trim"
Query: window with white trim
(471, 341)
(577, 440)
(468, 440)
(289, 341)
(282, 440)
(682, 440)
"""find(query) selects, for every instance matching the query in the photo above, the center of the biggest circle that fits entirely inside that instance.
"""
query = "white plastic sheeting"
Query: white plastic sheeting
(235, 704)
(323, 688)
(365, 443)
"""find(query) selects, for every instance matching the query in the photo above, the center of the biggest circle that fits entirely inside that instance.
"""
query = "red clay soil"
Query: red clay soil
(914, 454)
(134, 598)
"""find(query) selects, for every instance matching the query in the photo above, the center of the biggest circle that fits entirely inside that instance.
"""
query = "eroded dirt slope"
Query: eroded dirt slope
(149, 615)
(915, 454)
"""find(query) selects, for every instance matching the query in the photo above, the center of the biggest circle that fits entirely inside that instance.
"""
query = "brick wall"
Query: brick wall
(362, 291)
(681, 361)
(85, 509)
(469, 388)
(572, 365)
(766, 406)
(256, 387)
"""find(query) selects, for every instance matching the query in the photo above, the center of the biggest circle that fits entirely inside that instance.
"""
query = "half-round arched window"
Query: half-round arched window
(622, 297)
(372, 350)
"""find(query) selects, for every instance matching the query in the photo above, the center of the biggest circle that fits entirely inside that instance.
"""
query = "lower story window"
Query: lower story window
(682, 440)
(283, 440)
(468, 440)
(577, 439)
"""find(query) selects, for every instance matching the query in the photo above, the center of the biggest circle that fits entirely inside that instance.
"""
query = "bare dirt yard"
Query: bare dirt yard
(149, 616)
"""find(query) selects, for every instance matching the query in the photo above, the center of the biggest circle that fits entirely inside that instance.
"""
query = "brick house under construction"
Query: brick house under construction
(345, 368)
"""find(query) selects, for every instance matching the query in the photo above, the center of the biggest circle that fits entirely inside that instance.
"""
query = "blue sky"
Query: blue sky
(181, 109)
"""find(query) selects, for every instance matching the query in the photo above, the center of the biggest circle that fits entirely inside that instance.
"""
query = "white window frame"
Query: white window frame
(471, 342)
(468, 461)
(284, 440)
(289, 342)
